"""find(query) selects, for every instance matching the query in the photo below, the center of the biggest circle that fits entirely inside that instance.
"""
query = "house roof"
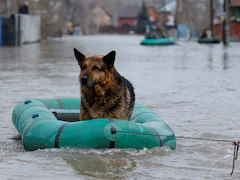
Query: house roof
(170, 6)
(235, 3)
(129, 12)
(91, 6)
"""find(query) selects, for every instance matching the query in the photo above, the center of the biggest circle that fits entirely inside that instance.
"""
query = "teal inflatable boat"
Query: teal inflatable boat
(159, 42)
(209, 40)
(54, 123)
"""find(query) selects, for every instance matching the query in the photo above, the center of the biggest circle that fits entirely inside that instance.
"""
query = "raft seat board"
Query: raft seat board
(54, 123)
(159, 41)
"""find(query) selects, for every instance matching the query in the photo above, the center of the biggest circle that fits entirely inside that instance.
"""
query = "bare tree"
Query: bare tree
(195, 14)
(51, 13)
(75, 10)
(3, 8)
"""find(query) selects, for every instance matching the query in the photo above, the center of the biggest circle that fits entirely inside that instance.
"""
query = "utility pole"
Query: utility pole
(225, 26)
(177, 13)
(211, 18)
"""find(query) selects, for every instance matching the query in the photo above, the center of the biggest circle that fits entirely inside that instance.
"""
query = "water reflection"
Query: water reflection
(210, 58)
(225, 58)
(105, 167)
(181, 63)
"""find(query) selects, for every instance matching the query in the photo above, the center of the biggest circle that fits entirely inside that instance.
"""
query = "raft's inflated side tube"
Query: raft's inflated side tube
(37, 123)
(209, 40)
(159, 42)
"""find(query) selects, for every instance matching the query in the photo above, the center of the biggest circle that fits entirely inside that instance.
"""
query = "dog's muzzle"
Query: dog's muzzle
(84, 80)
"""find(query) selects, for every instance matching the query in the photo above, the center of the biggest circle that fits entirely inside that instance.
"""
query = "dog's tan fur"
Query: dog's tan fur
(104, 92)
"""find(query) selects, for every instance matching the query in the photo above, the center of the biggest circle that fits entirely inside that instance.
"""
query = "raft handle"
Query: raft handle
(27, 101)
(113, 131)
(35, 115)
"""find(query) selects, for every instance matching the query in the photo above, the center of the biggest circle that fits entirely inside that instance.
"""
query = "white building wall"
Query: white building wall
(30, 27)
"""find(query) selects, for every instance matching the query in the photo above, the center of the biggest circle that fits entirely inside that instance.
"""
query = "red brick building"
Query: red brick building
(234, 2)
(128, 16)
(234, 30)
(234, 23)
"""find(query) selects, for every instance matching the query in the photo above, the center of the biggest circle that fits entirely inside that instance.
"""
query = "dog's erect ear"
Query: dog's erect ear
(109, 59)
(79, 56)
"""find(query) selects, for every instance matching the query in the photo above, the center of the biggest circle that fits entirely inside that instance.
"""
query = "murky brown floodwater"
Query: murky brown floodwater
(194, 88)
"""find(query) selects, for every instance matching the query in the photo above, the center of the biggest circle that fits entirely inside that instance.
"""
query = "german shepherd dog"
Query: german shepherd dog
(104, 92)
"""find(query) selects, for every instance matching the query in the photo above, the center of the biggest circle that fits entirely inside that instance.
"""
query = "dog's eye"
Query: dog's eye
(83, 67)
(95, 68)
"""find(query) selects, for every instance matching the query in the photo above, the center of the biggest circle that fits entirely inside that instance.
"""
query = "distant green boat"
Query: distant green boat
(209, 40)
(159, 41)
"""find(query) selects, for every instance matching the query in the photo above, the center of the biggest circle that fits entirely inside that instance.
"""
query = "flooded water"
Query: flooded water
(194, 88)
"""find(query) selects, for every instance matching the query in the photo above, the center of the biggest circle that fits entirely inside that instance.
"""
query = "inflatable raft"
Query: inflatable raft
(159, 42)
(209, 40)
(54, 123)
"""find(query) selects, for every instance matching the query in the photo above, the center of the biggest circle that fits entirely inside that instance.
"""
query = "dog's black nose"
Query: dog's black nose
(84, 80)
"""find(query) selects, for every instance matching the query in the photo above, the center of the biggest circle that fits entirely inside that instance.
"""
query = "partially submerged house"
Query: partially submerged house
(128, 16)
(235, 9)
(234, 24)
(100, 16)
(97, 18)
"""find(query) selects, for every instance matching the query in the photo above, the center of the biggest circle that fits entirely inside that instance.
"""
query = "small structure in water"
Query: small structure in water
(20, 29)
